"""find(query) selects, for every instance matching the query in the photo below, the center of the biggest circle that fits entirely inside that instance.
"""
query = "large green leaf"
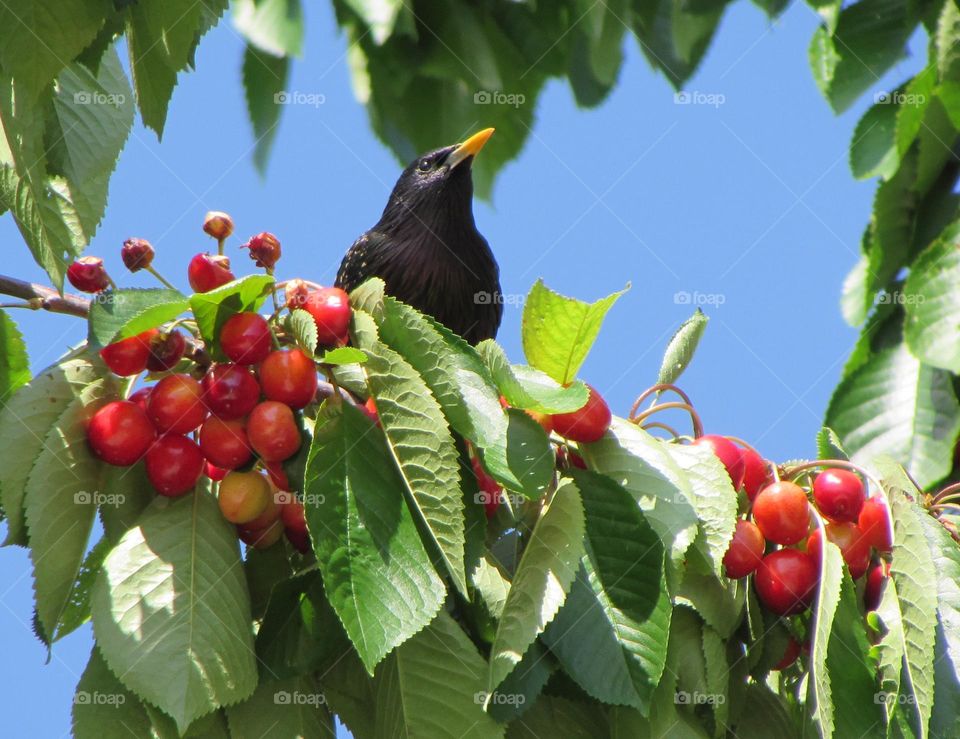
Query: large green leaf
(294, 707)
(638, 462)
(378, 576)
(763, 714)
(265, 78)
(60, 499)
(14, 363)
(611, 633)
(38, 38)
(895, 406)
(526, 461)
(552, 716)
(873, 151)
(419, 440)
(273, 26)
(559, 331)
(527, 388)
(931, 304)
(171, 612)
(162, 35)
(544, 575)
(681, 347)
(431, 686)
(76, 612)
(597, 49)
(29, 416)
(119, 314)
(213, 308)
(820, 688)
(127, 492)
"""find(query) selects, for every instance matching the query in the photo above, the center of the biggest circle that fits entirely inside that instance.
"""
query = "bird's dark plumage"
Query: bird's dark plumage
(426, 247)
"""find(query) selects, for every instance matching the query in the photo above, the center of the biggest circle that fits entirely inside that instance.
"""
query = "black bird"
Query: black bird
(426, 247)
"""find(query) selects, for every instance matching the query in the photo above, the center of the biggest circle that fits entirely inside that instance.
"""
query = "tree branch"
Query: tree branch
(41, 297)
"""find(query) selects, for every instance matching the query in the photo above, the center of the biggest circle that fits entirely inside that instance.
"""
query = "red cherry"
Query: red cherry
(756, 472)
(213, 472)
(278, 476)
(300, 541)
(872, 592)
(270, 513)
(490, 491)
(165, 351)
(272, 431)
(785, 581)
(260, 538)
(230, 390)
(369, 409)
(587, 424)
(782, 512)
(838, 494)
(141, 397)
(745, 550)
(790, 655)
(294, 516)
(245, 338)
(874, 522)
(207, 272)
(264, 249)
(120, 433)
(727, 452)
(88, 275)
(174, 464)
(225, 443)
(289, 376)
(176, 404)
(330, 308)
(854, 547)
(129, 356)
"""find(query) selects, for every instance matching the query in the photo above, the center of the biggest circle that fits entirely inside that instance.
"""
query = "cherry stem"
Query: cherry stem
(950, 492)
(657, 425)
(657, 389)
(163, 281)
(951, 499)
(745, 445)
(220, 247)
(694, 416)
(794, 472)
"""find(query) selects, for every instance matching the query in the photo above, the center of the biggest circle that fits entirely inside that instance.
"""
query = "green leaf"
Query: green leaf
(378, 575)
(932, 308)
(294, 707)
(119, 314)
(544, 575)
(171, 612)
(870, 37)
(521, 688)
(873, 151)
(76, 612)
(720, 603)
(343, 355)
(552, 716)
(820, 688)
(945, 42)
(14, 363)
(526, 462)
(212, 309)
(895, 406)
(304, 329)
(29, 415)
(162, 37)
(611, 633)
(39, 37)
(829, 445)
(681, 347)
(431, 686)
(273, 26)
(763, 714)
(527, 388)
(265, 78)
(637, 461)
(558, 331)
(420, 443)
(127, 492)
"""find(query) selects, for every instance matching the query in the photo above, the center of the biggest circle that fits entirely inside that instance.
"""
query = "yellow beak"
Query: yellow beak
(469, 148)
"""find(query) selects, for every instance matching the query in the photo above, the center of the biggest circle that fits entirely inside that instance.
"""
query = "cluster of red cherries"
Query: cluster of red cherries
(779, 540)
(235, 421)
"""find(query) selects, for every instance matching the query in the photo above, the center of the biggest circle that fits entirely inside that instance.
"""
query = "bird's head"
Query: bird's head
(437, 184)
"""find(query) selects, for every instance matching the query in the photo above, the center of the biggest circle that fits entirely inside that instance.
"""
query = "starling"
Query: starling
(426, 247)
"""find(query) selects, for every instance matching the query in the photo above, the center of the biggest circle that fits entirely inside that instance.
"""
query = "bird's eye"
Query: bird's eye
(425, 165)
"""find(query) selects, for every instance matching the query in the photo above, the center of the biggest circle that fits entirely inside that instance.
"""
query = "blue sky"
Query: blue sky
(742, 198)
